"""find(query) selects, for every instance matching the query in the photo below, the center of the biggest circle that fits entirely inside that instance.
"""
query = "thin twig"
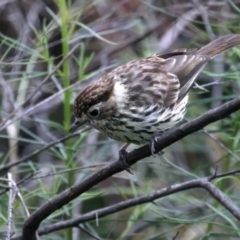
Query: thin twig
(204, 13)
(70, 170)
(89, 233)
(36, 152)
(222, 145)
(10, 206)
(20, 182)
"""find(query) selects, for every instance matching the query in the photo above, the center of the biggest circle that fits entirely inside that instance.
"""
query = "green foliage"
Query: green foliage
(42, 113)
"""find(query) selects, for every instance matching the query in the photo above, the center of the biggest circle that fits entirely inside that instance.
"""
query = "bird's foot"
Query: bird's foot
(152, 147)
(123, 160)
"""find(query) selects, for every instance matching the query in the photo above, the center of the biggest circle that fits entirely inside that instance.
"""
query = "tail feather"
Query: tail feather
(220, 45)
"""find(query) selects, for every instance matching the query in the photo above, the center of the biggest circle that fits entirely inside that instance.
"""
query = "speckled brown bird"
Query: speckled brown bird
(141, 99)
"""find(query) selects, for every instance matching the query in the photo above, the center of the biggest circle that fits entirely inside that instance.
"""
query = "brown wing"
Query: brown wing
(162, 79)
(147, 82)
(186, 65)
(186, 68)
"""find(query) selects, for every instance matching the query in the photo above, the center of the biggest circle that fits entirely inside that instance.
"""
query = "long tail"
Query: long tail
(220, 45)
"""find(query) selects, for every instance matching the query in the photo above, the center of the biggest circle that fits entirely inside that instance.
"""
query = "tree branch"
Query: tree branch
(171, 136)
(204, 182)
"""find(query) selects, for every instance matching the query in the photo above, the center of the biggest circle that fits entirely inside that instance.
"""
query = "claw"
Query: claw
(123, 160)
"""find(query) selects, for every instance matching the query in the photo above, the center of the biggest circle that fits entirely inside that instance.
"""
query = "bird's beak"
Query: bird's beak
(77, 123)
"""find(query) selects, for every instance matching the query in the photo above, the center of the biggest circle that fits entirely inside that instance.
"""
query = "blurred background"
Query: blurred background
(49, 51)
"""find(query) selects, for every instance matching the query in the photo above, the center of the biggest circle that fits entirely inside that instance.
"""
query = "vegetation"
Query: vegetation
(49, 51)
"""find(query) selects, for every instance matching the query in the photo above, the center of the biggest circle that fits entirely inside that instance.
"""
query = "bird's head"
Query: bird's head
(95, 103)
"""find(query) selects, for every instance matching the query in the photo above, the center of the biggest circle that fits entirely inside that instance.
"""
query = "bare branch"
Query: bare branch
(196, 183)
(171, 136)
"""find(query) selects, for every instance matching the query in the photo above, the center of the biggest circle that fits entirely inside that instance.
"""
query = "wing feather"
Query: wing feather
(147, 82)
(162, 79)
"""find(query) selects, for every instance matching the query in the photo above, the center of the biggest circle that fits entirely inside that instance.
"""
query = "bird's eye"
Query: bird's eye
(93, 113)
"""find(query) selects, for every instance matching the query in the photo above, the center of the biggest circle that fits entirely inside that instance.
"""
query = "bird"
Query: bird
(138, 101)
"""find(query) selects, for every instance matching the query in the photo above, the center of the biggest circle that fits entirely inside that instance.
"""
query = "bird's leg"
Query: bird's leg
(152, 147)
(123, 153)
